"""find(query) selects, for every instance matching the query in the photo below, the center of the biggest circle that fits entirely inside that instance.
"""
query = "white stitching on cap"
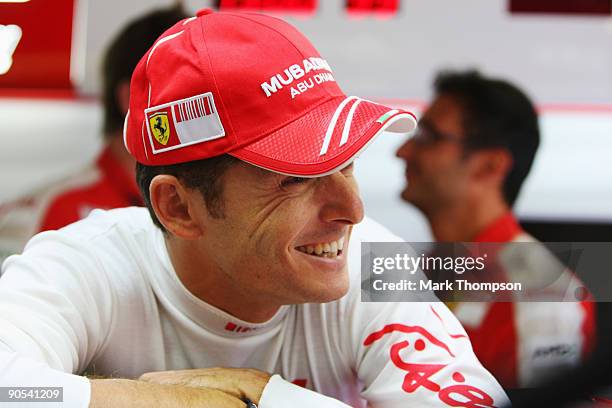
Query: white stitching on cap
(349, 121)
(125, 125)
(332, 124)
(143, 138)
(163, 40)
(189, 20)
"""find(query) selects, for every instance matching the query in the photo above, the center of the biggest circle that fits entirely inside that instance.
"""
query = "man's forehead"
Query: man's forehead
(261, 172)
(257, 171)
(444, 114)
(249, 176)
(442, 105)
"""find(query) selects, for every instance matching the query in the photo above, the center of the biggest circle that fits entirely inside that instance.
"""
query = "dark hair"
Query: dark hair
(123, 54)
(495, 114)
(205, 175)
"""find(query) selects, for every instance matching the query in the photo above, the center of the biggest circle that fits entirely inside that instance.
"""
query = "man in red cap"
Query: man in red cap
(244, 144)
(464, 169)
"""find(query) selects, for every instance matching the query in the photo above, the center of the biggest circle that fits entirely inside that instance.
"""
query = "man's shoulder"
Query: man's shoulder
(532, 262)
(128, 220)
(122, 229)
(528, 260)
(115, 241)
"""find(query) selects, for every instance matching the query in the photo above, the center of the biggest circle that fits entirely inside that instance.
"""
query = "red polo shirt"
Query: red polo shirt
(112, 188)
(505, 348)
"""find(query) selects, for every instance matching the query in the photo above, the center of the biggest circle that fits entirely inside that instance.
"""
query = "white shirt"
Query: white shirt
(102, 297)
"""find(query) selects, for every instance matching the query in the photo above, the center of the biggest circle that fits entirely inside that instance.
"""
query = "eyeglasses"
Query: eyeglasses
(426, 136)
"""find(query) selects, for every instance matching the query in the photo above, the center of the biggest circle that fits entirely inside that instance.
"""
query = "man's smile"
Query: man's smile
(332, 249)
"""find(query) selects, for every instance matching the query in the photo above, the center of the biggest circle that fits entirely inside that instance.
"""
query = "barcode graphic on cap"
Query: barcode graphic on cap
(194, 109)
(183, 123)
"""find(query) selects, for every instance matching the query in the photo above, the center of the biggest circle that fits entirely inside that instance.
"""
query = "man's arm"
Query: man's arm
(259, 387)
(418, 353)
(552, 337)
(56, 303)
(410, 353)
(18, 372)
(119, 393)
(56, 310)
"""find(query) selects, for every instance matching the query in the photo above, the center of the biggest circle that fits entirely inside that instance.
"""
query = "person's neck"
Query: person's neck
(119, 152)
(215, 287)
(463, 221)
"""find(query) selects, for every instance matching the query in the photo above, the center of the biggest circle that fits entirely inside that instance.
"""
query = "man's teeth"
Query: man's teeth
(326, 249)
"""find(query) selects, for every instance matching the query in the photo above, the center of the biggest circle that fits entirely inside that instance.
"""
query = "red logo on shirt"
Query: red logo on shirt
(301, 382)
(237, 329)
(419, 375)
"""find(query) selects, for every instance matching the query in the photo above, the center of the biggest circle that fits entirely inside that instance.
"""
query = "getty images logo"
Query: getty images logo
(9, 38)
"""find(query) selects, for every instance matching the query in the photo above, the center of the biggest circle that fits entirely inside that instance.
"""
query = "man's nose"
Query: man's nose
(406, 150)
(342, 201)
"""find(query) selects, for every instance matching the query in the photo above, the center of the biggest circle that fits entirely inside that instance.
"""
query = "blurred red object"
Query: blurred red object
(378, 8)
(42, 57)
(580, 7)
(278, 6)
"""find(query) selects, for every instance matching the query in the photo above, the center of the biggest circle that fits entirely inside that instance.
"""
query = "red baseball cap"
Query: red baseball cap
(254, 87)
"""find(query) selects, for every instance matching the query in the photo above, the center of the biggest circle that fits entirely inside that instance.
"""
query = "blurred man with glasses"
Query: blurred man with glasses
(465, 166)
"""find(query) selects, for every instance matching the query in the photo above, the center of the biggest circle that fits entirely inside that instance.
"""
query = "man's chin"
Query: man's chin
(322, 279)
(327, 291)
(336, 293)
(407, 195)
(329, 295)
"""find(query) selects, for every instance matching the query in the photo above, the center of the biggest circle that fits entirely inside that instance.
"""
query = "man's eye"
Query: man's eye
(293, 180)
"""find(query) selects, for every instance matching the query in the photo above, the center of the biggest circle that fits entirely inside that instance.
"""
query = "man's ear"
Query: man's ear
(493, 165)
(174, 206)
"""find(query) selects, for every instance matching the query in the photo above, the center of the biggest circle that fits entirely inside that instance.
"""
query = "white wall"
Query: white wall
(557, 59)
(45, 140)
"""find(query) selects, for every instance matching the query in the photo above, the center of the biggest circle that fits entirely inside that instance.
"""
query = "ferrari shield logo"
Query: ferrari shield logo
(176, 124)
(160, 128)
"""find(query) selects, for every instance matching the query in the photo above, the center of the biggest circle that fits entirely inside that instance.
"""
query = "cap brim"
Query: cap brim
(327, 138)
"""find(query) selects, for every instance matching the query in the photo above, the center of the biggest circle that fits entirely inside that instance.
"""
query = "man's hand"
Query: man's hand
(238, 382)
